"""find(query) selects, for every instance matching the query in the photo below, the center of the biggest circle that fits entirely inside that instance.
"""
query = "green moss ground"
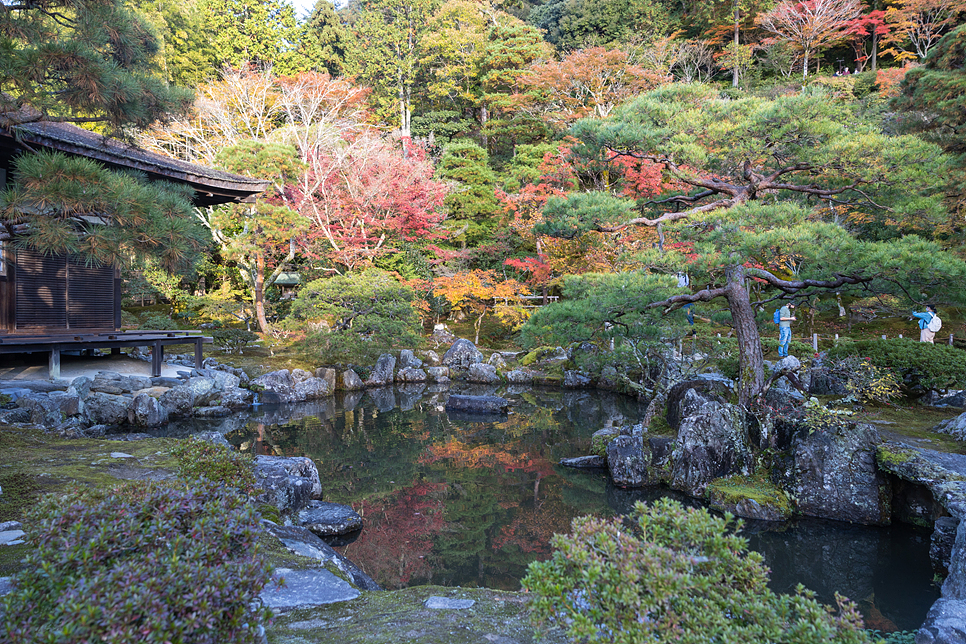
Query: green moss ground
(33, 463)
(400, 616)
(913, 423)
(722, 493)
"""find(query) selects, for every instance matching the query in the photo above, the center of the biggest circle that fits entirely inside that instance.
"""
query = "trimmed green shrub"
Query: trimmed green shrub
(675, 574)
(139, 563)
(200, 460)
(355, 318)
(921, 365)
(232, 340)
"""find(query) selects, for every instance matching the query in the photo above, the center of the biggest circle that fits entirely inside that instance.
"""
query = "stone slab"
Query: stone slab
(11, 537)
(307, 588)
(445, 603)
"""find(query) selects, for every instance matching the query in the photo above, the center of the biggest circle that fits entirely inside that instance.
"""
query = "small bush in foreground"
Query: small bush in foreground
(675, 575)
(200, 460)
(139, 563)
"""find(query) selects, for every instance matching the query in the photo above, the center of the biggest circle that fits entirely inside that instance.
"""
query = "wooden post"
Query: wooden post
(836, 338)
(115, 351)
(883, 336)
(815, 342)
(157, 354)
(53, 366)
(199, 357)
(950, 339)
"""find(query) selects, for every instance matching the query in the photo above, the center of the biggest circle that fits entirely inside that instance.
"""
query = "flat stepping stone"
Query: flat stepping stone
(10, 525)
(12, 537)
(584, 462)
(120, 455)
(445, 603)
(330, 519)
(306, 588)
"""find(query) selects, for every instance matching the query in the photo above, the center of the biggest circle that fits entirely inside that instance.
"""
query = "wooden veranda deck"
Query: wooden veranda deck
(55, 343)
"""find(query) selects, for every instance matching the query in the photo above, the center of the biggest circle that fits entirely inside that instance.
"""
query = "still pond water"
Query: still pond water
(460, 502)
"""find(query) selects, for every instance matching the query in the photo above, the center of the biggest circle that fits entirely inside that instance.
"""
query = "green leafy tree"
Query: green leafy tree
(931, 95)
(510, 48)
(261, 237)
(88, 63)
(326, 44)
(471, 200)
(576, 24)
(389, 34)
(254, 32)
(360, 316)
(675, 574)
(187, 55)
(796, 195)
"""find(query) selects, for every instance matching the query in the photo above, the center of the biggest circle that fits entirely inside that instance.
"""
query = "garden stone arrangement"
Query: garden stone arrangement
(768, 467)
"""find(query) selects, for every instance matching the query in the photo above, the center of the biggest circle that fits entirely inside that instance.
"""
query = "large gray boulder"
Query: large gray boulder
(311, 388)
(52, 408)
(349, 380)
(519, 377)
(461, 355)
(276, 386)
(411, 374)
(147, 411)
(329, 519)
(178, 401)
(835, 476)
(408, 360)
(437, 374)
(955, 427)
(383, 373)
(328, 374)
(303, 542)
(288, 483)
(945, 623)
(237, 399)
(482, 373)
(106, 409)
(479, 405)
(628, 461)
(711, 443)
(576, 380)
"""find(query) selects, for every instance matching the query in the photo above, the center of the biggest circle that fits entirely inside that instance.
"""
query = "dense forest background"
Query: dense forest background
(442, 158)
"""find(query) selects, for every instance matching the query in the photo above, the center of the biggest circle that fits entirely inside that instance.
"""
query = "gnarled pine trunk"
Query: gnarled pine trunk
(751, 363)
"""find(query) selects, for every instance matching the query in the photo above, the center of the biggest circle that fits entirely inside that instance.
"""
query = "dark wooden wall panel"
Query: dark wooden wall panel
(90, 296)
(41, 291)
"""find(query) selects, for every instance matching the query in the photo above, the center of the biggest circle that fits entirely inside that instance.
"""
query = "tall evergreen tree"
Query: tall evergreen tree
(326, 43)
(83, 61)
(88, 62)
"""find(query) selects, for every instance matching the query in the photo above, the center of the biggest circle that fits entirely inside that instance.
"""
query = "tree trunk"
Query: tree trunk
(734, 72)
(805, 67)
(259, 293)
(875, 49)
(751, 363)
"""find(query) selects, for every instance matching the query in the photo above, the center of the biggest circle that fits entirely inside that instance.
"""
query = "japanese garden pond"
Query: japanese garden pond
(465, 502)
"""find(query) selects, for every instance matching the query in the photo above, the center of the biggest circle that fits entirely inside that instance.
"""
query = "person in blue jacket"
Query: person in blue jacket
(925, 335)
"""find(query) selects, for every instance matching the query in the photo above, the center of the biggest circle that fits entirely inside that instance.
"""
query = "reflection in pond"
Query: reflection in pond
(457, 502)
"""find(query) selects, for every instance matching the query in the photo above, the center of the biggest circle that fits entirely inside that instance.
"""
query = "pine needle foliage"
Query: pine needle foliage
(71, 205)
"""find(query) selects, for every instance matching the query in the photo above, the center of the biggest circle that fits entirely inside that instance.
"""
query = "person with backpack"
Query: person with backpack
(929, 324)
(783, 318)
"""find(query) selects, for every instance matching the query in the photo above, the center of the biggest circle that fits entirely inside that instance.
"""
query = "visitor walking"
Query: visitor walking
(929, 324)
(785, 318)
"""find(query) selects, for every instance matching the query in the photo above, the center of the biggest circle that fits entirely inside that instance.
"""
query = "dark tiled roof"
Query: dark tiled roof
(211, 186)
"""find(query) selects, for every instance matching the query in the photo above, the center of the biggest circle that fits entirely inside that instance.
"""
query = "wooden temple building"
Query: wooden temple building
(58, 303)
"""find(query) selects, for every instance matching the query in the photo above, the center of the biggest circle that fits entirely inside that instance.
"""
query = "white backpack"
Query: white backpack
(934, 324)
